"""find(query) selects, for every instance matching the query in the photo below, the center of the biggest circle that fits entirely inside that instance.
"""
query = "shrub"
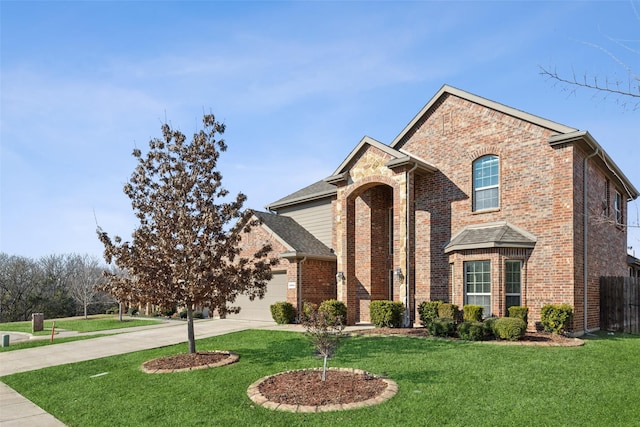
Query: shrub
(334, 309)
(183, 314)
(428, 311)
(520, 312)
(509, 328)
(308, 308)
(113, 310)
(471, 331)
(488, 326)
(198, 315)
(132, 311)
(448, 311)
(556, 318)
(441, 327)
(386, 313)
(283, 312)
(168, 312)
(472, 313)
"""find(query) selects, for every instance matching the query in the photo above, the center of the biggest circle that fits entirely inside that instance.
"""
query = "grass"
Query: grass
(440, 383)
(41, 343)
(94, 323)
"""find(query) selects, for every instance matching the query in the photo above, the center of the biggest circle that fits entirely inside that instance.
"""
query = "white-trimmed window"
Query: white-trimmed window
(486, 183)
(513, 283)
(617, 208)
(477, 285)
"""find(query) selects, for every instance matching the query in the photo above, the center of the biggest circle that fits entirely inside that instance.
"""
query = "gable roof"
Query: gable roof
(317, 190)
(298, 241)
(564, 134)
(446, 89)
(399, 158)
(491, 235)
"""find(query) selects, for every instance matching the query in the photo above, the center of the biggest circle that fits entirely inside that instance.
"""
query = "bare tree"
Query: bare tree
(20, 287)
(625, 90)
(324, 330)
(185, 250)
(85, 275)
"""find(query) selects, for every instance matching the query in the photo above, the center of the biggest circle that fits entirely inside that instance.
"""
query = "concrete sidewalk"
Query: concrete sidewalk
(17, 411)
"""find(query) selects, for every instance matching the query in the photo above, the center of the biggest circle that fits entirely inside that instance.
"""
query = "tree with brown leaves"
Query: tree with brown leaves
(186, 249)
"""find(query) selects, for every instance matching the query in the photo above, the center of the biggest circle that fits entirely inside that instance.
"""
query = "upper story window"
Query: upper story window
(617, 208)
(486, 187)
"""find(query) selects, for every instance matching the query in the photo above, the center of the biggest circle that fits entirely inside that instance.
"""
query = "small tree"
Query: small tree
(186, 249)
(324, 330)
(84, 279)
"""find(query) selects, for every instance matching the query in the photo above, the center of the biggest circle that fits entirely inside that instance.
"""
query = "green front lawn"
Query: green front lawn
(98, 322)
(440, 383)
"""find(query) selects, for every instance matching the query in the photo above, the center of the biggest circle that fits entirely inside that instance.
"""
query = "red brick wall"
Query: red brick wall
(318, 281)
(536, 194)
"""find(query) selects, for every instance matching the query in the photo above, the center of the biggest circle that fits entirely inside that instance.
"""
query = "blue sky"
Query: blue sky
(298, 84)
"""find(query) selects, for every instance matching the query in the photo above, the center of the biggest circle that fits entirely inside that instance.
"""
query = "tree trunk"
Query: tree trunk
(120, 311)
(324, 369)
(190, 333)
(85, 311)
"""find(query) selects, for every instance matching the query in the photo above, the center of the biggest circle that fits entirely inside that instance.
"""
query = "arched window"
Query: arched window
(486, 183)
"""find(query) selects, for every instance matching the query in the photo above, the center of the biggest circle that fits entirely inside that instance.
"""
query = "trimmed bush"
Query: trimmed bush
(428, 311)
(471, 331)
(441, 327)
(283, 312)
(472, 313)
(520, 312)
(556, 318)
(509, 328)
(448, 311)
(168, 312)
(198, 315)
(334, 309)
(386, 314)
(183, 314)
(488, 326)
(133, 311)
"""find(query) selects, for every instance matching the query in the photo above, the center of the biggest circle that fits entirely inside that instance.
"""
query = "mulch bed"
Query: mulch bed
(305, 387)
(189, 361)
(530, 338)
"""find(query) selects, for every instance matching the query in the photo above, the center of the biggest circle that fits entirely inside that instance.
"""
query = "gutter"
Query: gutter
(299, 291)
(585, 221)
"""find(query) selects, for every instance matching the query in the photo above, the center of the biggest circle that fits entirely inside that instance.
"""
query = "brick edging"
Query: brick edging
(258, 398)
(232, 358)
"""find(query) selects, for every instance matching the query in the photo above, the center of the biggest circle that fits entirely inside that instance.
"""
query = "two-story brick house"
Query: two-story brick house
(473, 202)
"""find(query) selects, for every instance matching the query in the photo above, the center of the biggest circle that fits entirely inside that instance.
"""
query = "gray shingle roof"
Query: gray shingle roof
(293, 235)
(314, 191)
(491, 235)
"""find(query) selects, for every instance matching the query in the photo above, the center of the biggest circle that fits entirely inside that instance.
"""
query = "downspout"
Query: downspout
(407, 320)
(300, 262)
(585, 216)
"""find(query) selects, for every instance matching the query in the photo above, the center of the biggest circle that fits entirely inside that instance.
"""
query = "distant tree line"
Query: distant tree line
(56, 285)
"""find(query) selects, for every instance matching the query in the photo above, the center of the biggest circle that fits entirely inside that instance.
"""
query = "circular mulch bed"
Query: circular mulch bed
(189, 362)
(304, 391)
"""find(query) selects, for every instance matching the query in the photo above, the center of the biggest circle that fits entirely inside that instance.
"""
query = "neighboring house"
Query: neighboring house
(634, 266)
(473, 202)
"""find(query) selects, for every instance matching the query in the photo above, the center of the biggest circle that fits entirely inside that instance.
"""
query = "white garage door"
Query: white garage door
(259, 309)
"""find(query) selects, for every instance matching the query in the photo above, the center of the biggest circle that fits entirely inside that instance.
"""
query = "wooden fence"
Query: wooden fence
(620, 304)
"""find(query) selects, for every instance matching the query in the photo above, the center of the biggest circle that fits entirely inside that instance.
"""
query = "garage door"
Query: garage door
(259, 309)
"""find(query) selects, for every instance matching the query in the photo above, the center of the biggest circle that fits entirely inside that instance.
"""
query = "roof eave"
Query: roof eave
(586, 138)
(486, 245)
(308, 198)
(295, 255)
